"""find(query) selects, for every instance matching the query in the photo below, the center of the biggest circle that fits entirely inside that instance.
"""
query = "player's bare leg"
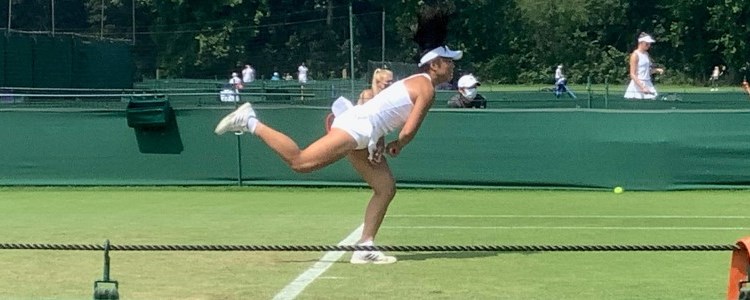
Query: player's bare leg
(328, 149)
(380, 179)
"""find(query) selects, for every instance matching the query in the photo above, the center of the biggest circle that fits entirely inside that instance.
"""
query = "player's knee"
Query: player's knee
(385, 191)
(303, 167)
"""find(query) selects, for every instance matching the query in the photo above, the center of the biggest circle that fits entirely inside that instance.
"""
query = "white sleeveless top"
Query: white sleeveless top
(643, 68)
(389, 109)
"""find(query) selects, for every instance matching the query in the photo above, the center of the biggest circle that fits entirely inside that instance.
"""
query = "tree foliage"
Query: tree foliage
(508, 41)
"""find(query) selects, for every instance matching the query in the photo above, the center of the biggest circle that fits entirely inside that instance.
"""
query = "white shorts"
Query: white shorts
(359, 128)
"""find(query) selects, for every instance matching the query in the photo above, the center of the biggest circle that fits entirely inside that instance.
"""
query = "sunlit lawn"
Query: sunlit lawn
(296, 216)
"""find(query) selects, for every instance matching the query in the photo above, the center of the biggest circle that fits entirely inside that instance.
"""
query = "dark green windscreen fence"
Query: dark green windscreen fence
(86, 61)
(102, 64)
(53, 62)
(64, 61)
(638, 150)
(19, 61)
(2, 62)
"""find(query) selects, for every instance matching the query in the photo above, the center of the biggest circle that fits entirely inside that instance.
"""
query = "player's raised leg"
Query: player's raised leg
(333, 146)
(328, 149)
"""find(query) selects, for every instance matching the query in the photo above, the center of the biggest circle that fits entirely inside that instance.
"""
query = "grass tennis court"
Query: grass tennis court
(304, 216)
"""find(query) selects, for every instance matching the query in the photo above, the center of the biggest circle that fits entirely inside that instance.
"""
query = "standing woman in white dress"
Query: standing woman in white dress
(641, 86)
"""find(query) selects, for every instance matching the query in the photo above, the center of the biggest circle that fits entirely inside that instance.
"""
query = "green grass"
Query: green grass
(325, 216)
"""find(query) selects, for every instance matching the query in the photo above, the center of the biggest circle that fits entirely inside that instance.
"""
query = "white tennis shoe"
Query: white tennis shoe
(373, 257)
(236, 121)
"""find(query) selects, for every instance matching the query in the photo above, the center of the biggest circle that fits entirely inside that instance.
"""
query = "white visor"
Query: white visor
(647, 39)
(441, 51)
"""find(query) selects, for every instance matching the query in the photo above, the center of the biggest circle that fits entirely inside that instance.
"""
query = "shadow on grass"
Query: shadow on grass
(419, 256)
(452, 255)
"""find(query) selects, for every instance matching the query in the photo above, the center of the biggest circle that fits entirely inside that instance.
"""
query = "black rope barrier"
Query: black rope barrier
(404, 248)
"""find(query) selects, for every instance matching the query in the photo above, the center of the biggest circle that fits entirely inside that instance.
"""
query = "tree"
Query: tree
(517, 41)
(729, 27)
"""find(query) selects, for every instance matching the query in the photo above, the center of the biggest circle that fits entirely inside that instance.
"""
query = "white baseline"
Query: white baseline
(294, 288)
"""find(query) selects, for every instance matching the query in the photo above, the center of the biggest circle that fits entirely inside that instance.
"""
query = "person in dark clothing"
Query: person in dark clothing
(467, 96)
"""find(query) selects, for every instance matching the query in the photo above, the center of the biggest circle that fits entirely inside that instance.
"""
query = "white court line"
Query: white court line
(569, 216)
(566, 227)
(294, 288)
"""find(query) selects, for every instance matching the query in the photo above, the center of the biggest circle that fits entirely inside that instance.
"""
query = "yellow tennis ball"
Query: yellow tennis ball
(618, 190)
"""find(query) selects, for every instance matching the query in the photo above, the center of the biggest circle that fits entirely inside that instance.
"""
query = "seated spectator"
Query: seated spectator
(467, 96)
(236, 81)
(275, 76)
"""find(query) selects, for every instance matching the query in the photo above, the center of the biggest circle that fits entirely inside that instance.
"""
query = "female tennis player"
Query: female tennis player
(355, 132)
(381, 79)
(641, 86)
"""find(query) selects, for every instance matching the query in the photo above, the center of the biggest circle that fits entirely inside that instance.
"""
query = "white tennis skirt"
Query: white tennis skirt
(633, 92)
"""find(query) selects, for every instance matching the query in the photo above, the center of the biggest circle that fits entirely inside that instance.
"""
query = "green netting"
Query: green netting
(53, 62)
(118, 64)
(2, 61)
(64, 61)
(85, 56)
(102, 64)
(19, 61)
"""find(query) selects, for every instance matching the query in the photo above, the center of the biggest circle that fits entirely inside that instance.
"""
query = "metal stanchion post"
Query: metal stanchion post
(106, 289)
(239, 150)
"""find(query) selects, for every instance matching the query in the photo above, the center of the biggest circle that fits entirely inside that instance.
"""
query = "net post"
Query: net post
(106, 261)
(106, 288)
(738, 271)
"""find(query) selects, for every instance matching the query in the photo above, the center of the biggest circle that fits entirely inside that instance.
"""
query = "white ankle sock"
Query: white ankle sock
(251, 124)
